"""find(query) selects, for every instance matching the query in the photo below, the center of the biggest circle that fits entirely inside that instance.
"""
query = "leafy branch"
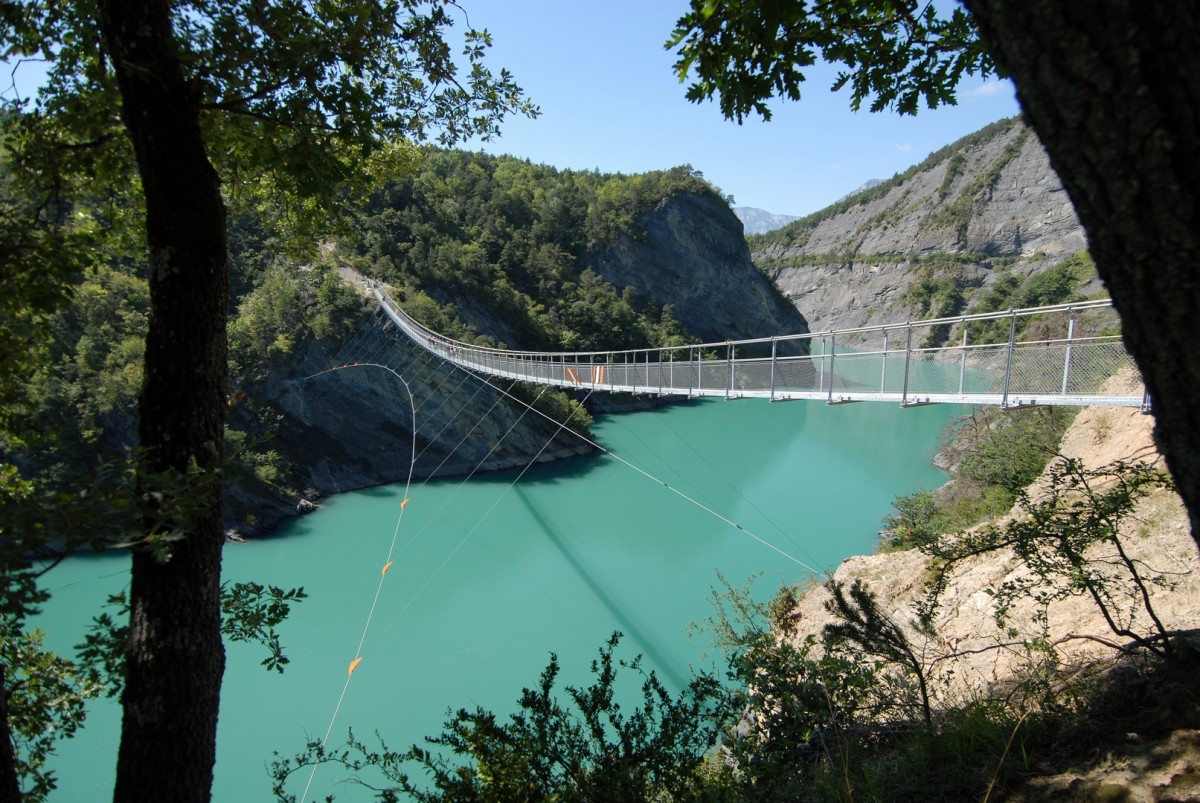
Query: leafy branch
(1070, 542)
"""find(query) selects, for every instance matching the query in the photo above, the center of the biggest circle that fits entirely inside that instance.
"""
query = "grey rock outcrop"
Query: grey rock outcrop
(692, 255)
(995, 203)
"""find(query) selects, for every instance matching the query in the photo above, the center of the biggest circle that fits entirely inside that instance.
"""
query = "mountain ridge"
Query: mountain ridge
(760, 221)
(975, 212)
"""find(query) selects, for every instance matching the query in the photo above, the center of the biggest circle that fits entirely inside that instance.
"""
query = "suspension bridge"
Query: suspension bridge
(1063, 355)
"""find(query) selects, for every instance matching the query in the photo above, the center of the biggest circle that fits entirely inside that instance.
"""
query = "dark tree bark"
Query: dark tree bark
(1111, 89)
(175, 657)
(10, 785)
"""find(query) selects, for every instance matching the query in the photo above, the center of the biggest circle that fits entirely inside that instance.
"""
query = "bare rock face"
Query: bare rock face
(966, 647)
(1157, 534)
(691, 254)
(758, 221)
(994, 205)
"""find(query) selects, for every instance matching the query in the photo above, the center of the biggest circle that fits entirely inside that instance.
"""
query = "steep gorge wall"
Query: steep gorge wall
(988, 208)
(692, 255)
(689, 252)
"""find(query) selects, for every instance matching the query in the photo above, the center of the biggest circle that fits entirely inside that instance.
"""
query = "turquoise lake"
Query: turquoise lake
(489, 578)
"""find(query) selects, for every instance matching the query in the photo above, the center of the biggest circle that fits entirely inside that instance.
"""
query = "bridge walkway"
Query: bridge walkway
(1042, 357)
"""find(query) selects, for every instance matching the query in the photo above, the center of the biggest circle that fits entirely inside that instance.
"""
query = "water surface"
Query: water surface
(490, 577)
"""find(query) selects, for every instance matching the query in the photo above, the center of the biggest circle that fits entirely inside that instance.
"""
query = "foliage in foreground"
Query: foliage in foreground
(597, 747)
(1069, 540)
(47, 693)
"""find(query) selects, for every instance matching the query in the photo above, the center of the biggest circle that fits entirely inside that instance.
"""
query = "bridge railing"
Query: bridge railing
(1063, 354)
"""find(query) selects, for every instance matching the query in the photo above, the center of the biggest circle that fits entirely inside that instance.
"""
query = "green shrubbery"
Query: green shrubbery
(1055, 285)
(556, 405)
(288, 304)
(998, 453)
(845, 714)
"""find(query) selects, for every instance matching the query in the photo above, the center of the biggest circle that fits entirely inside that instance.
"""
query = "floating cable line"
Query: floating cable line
(379, 586)
(430, 395)
(663, 421)
(471, 431)
(525, 409)
(373, 356)
(437, 393)
(431, 441)
(392, 554)
(687, 497)
(488, 512)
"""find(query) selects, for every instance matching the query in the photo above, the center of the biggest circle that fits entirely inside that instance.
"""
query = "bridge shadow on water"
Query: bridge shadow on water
(624, 618)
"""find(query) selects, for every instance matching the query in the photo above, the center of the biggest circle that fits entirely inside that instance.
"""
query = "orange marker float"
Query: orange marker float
(403, 504)
(386, 566)
(354, 665)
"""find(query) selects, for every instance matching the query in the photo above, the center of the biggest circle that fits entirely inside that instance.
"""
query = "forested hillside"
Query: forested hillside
(490, 249)
(968, 229)
(569, 260)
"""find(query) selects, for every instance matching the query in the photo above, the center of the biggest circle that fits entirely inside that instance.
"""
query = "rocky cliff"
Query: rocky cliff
(975, 656)
(345, 426)
(688, 251)
(987, 206)
(759, 221)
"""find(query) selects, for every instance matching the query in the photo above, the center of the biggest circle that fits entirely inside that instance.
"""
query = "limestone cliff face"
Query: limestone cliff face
(994, 203)
(759, 221)
(689, 251)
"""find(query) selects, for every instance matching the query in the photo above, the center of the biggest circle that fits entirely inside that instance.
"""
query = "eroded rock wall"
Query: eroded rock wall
(996, 206)
(352, 427)
(692, 254)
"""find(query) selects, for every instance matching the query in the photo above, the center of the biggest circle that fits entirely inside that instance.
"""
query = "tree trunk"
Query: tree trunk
(1110, 88)
(175, 657)
(10, 785)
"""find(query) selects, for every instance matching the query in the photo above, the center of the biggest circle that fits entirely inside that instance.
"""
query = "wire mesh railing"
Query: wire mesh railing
(1068, 354)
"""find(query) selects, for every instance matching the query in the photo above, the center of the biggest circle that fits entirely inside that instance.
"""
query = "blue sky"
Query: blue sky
(610, 101)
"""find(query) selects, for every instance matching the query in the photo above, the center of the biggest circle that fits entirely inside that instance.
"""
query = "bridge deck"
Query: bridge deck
(1059, 367)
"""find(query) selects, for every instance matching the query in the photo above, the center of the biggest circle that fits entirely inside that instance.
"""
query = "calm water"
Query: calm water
(488, 579)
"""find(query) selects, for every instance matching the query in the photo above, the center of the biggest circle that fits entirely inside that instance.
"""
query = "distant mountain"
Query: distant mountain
(756, 221)
(870, 184)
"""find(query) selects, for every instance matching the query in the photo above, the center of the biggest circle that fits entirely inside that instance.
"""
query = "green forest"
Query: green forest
(495, 232)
